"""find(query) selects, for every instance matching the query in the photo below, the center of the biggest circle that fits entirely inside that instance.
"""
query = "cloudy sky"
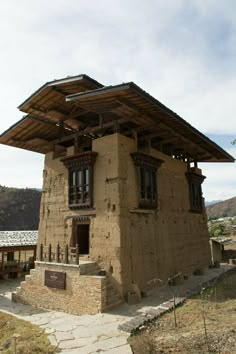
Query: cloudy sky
(183, 52)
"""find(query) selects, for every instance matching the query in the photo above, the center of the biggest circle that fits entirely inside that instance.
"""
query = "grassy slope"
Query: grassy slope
(217, 305)
(32, 340)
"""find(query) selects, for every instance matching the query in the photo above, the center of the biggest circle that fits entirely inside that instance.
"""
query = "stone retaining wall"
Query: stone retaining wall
(84, 294)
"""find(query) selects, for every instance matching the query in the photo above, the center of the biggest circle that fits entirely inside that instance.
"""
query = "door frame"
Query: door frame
(75, 225)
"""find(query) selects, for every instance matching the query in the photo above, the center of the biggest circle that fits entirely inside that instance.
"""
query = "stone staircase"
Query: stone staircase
(113, 298)
(88, 268)
(29, 280)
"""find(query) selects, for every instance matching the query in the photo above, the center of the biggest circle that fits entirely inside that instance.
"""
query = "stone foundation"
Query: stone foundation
(84, 294)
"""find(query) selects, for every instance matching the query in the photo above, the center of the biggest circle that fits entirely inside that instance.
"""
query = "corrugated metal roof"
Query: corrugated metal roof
(18, 238)
(222, 240)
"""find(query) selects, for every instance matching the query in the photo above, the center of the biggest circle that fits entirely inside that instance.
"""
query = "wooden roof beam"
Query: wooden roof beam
(48, 121)
(161, 124)
(145, 118)
(157, 135)
(90, 130)
(171, 140)
(146, 127)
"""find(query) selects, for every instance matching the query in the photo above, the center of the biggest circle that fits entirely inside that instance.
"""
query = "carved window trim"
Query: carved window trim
(195, 181)
(147, 167)
(80, 179)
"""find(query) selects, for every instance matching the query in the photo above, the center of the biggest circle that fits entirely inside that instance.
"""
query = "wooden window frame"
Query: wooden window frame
(80, 187)
(195, 181)
(80, 179)
(147, 167)
(147, 187)
(10, 256)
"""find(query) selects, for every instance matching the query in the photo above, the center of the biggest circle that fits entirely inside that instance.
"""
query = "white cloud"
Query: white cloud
(220, 183)
(21, 168)
(181, 52)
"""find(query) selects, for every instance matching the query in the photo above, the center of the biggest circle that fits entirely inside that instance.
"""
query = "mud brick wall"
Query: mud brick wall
(134, 245)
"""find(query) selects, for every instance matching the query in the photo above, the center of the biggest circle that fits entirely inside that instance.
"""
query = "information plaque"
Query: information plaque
(55, 279)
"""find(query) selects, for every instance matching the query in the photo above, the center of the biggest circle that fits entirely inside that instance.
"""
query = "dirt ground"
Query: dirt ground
(206, 323)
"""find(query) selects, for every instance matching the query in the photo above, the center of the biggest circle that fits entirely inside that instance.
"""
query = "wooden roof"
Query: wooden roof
(47, 110)
(80, 107)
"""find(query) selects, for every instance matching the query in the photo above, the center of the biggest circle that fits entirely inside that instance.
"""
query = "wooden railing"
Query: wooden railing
(15, 267)
(66, 255)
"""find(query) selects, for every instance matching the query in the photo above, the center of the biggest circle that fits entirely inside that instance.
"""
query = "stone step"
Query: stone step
(23, 284)
(29, 279)
(112, 296)
(110, 287)
(114, 304)
(32, 273)
(111, 293)
(113, 300)
(89, 268)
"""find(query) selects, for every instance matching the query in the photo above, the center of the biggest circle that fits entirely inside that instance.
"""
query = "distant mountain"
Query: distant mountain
(222, 209)
(19, 209)
(212, 202)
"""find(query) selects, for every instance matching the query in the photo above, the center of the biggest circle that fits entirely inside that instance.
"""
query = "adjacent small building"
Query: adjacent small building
(122, 202)
(17, 252)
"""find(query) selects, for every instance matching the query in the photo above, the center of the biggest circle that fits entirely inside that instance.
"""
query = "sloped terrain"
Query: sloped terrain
(29, 338)
(205, 324)
(222, 209)
(19, 209)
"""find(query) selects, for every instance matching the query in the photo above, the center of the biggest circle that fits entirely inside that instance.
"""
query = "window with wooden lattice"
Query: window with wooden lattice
(195, 180)
(80, 179)
(147, 167)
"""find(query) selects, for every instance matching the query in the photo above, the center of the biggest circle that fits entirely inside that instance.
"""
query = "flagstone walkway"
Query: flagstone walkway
(103, 332)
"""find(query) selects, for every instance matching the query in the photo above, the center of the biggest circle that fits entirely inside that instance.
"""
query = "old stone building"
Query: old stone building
(121, 182)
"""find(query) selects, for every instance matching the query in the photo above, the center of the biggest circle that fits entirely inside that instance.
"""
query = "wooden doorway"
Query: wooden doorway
(82, 238)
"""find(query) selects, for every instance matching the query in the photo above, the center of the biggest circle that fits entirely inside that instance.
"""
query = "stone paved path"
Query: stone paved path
(101, 332)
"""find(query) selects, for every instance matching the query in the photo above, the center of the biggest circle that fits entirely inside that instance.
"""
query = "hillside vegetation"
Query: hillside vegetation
(19, 209)
(205, 324)
(222, 209)
(29, 337)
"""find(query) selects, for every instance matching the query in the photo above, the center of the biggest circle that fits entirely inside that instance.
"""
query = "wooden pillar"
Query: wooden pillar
(135, 137)
(77, 253)
(49, 252)
(3, 273)
(3, 260)
(101, 121)
(76, 145)
(19, 261)
(116, 127)
(188, 164)
(58, 253)
(66, 254)
(41, 258)
(61, 127)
